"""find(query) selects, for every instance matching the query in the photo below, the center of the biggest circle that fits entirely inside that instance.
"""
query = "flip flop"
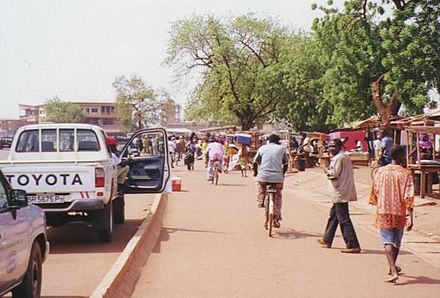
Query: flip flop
(398, 270)
(392, 279)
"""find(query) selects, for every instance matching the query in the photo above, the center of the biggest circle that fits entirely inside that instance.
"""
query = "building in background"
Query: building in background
(8, 127)
(103, 114)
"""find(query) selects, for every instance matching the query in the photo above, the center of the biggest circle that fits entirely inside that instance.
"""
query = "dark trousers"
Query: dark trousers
(339, 215)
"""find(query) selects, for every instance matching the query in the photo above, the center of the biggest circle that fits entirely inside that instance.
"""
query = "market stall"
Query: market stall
(422, 157)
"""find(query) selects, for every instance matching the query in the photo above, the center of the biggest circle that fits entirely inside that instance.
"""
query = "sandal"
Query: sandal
(398, 270)
(392, 279)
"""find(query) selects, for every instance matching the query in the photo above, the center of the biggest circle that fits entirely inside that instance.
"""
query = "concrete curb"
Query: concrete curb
(122, 277)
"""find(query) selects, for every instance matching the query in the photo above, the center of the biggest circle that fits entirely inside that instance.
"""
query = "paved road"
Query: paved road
(213, 244)
(77, 261)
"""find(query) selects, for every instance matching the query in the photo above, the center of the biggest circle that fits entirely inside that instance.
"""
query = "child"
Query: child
(189, 158)
(243, 153)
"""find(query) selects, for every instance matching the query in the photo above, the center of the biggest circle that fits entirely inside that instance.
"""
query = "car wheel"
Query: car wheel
(119, 210)
(106, 234)
(30, 286)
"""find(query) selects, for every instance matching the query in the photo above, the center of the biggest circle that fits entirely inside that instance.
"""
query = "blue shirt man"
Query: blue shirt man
(386, 143)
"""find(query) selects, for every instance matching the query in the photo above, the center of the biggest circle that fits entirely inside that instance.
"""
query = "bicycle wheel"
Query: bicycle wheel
(270, 213)
(215, 173)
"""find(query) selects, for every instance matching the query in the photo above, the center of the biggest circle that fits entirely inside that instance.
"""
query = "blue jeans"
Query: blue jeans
(339, 214)
(391, 236)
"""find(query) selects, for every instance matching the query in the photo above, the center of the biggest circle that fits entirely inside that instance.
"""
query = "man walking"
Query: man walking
(273, 162)
(393, 194)
(342, 190)
(386, 144)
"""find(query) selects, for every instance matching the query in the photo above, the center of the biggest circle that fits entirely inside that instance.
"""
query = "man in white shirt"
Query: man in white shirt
(342, 190)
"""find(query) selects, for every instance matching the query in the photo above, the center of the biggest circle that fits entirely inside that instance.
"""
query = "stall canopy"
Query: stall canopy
(371, 122)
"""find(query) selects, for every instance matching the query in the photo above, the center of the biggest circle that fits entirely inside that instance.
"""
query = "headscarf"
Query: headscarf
(424, 141)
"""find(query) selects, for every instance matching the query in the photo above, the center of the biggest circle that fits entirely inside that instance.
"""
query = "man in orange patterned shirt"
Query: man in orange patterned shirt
(393, 194)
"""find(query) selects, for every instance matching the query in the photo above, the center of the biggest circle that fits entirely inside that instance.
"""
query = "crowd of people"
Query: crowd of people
(209, 148)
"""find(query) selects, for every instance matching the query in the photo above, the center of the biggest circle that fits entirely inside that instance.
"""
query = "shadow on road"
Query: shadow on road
(230, 184)
(419, 280)
(81, 238)
(292, 234)
(165, 235)
(64, 296)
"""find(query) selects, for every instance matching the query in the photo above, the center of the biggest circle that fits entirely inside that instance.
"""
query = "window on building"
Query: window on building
(94, 121)
(107, 121)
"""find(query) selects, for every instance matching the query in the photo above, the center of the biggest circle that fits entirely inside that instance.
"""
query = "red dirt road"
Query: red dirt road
(213, 244)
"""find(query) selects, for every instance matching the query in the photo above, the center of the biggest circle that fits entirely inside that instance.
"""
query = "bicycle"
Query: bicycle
(270, 207)
(215, 172)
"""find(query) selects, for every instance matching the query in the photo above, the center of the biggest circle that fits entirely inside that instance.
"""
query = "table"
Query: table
(425, 178)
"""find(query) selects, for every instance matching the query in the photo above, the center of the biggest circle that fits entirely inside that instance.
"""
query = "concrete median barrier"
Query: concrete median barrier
(122, 277)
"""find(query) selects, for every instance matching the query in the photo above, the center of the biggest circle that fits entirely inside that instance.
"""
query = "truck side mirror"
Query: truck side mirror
(19, 198)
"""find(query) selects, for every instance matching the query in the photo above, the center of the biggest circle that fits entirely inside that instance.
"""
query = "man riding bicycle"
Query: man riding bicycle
(214, 152)
(273, 162)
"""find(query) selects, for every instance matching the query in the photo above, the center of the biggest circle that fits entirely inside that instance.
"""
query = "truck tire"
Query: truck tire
(119, 210)
(30, 286)
(105, 233)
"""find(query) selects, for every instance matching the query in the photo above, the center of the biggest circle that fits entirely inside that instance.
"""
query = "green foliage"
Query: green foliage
(300, 70)
(369, 57)
(58, 111)
(137, 103)
(362, 47)
(235, 57)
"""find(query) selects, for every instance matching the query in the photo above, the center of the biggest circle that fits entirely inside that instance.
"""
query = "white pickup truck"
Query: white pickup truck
(67, 169)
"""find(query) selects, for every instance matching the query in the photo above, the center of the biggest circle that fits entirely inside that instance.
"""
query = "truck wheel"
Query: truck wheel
(30, 286)
(106, 234)
(119, 210)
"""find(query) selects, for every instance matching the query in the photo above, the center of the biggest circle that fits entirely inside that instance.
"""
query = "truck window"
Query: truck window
(28, 141)
(87, 140)
(67, 137)
(49, 140)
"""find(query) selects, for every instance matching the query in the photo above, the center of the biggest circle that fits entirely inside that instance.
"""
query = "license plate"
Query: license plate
(45, 199)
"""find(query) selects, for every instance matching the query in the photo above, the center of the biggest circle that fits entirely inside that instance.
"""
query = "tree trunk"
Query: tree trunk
(386, 112)
(247, 124)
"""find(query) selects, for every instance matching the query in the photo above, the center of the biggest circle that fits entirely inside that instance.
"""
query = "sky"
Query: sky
(74, 49)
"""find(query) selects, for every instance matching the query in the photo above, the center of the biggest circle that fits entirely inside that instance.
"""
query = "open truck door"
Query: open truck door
(147, 156)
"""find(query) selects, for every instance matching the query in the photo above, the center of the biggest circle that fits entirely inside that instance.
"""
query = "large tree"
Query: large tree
(381, 56)
(234, 60)
(136, 102)
(58, 111)
(299, 79)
